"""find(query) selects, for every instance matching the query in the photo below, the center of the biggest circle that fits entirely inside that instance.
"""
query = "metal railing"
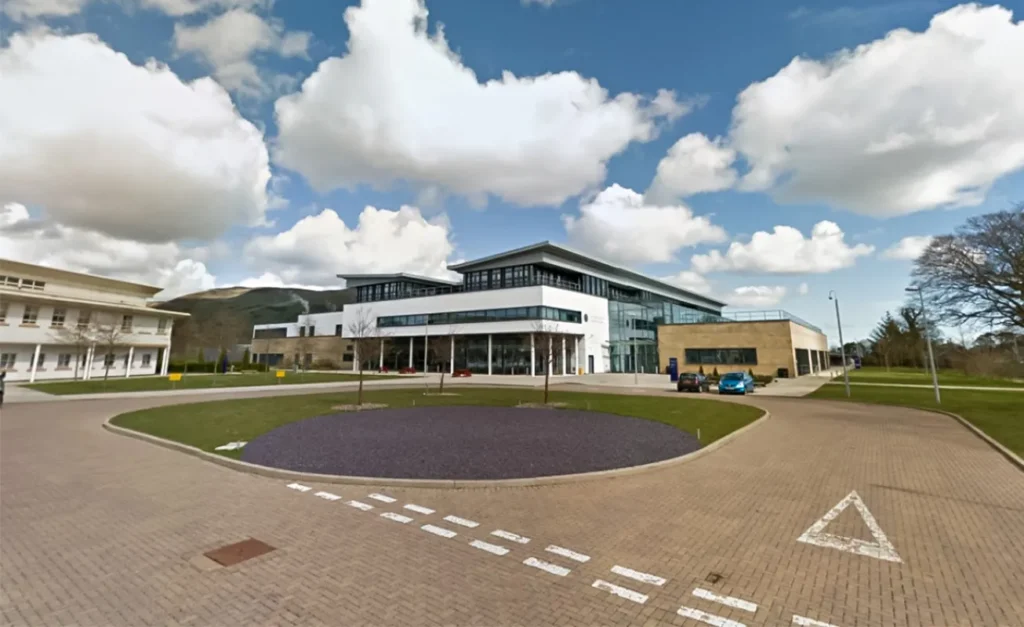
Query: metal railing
(749, 316)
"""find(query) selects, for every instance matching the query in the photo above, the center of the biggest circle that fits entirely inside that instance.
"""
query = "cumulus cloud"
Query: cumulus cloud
(690, 281)
(177, 8)
(693, 165)
(127, 150)
(756, 296)
(318, 247)
(786, 251)
(165, 265)
(804, 289)
(401, 106)
(908, 248)
(620, 226)
(21, 10)
(228, 42)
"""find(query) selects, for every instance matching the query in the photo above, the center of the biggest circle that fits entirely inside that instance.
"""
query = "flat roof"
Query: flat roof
(10, 265)
(397, 276)
(570, 254)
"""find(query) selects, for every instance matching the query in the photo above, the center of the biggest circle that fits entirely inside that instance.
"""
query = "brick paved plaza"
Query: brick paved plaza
(100, 529)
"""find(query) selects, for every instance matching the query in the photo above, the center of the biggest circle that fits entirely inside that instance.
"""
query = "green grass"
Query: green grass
(211, 424)
(193, 381)
(999, 414)
(917, 376)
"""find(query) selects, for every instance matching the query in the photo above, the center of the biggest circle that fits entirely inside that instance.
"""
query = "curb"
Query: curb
(278, 473)
(1010, 456)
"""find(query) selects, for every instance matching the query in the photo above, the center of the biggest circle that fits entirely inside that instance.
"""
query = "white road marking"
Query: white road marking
(803, 621)
(230, 446)
(704, 617)
(881, 548)
(328, 495)
(508, 535)
(490, 548)
(462, 521)
(383, 498)
(419, 509)
(554, 569)
(439, 531)
(299, 487)
(625, 593)
(360, 505)
(573, 555)
(639, 576)
(724, 600)
(396, 517)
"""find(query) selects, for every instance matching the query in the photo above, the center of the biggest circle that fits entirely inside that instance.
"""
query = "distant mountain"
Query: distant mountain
(259, 305)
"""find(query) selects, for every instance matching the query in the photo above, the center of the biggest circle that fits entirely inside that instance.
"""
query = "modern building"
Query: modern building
(56, 324)
(510, 314)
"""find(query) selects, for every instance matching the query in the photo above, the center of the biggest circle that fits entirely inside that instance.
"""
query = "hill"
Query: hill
(259, 305)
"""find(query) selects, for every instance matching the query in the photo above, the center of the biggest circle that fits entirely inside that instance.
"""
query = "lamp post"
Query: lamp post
(928, 338)
(842, 349)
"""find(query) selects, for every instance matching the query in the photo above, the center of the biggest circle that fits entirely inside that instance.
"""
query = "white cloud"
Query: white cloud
(179, 8)
(401, 106)
(908, 248)
(318, 247)
(543, 3)
(875, 130)
(269, 279)
(165, 265)
(131, 151)
(756, 296)
(229, 41)
(786, 251)
(21, 10)
(693, 165)
(619, 226)
(804, 289)
(689, 280)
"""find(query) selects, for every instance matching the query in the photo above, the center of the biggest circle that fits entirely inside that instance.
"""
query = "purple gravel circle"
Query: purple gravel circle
(466, 442)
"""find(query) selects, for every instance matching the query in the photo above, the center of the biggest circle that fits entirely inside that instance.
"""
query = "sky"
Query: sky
(759, 153)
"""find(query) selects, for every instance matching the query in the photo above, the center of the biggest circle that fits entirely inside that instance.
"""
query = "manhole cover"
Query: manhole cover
(239, 552)
(713, 578)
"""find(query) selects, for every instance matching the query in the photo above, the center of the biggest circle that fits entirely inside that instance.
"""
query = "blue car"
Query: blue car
(736, 383)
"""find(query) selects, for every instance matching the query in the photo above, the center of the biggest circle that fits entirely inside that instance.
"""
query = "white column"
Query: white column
(88, 363)
(579, 356)
(547, 358)
(410, 351)
(563, 355)
(490, 348)
(131, 357)
(451, 359)
(533, 356)
(381, 366)
(35, 362)
(167, 360)
(426, 353)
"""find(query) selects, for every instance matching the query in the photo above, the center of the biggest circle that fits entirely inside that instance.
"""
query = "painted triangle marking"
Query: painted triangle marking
(881, 548)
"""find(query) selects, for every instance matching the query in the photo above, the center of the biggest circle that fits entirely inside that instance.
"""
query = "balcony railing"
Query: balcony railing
(749, 316)
(458, 289)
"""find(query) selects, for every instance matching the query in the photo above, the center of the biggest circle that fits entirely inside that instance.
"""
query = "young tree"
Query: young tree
(547, 338)
(109, 336)
(185, 337)
(441, 347)
(303, 342)
(80, 335)
(887, 338)
(366, 340)
(222, 331)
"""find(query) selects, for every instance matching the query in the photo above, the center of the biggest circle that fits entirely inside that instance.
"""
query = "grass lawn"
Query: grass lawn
(193, 381)
(918, 376)
(211, 424)
(999, 414)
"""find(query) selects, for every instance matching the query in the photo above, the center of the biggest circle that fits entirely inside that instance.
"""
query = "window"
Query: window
(7, 360)
(161, 326)
(84, 317)
(482, 315)
(302, 331)
(64, 360)
(28, 284)
(108, 360)
(31, 314)
(719, 356)
(125, 361)
(146, 359)
(3, 312)
(40, 360)
(312, 331)
(57, 320)
(338, 328)
(265, 334)
(126, 323)
(348, 357)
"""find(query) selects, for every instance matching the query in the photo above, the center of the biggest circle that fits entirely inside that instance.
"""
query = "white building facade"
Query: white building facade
(56, 324)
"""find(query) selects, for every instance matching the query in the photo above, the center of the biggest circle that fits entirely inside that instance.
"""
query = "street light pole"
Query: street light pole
(928, 338)
(842, 349)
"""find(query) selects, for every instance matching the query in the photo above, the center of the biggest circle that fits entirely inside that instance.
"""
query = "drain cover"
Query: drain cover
(239, 552)
(713, 578)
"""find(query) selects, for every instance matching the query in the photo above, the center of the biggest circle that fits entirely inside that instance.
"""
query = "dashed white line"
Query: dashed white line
(564, 552)
(639, 576)
(383, 498)
(803, 621)
(396, 517)
(508, 535)
(462, 521)
(490, 548)
(724, 600)
(625, 593)
(299, 487)
(704, 617)
(439, 531)
(360, 505)
(418, 508)
(554, 569)
(328, 496)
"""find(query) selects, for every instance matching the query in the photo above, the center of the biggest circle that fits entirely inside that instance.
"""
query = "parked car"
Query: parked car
(736, 383)
(692, 382)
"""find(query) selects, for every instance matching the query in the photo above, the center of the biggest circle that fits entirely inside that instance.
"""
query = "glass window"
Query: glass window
(31, 314)
(64, 360)
(7, 360)
(3, 312)
(126, 323)
(145, 359)
(721, 356)
(57, 320)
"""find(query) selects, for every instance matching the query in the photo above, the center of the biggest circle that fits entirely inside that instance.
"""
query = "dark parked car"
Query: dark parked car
(736, 383)
(692, 382)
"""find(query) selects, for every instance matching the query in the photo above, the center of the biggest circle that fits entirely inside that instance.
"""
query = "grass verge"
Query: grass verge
(211, 424)
(917, 376)
(999, 414)
(193, 382)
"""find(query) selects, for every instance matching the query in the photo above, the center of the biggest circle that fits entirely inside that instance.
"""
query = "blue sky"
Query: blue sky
(869, 150)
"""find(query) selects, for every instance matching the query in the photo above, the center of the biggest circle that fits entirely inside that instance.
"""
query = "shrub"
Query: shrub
(715, 373)
(406, 370)
(750, 371)
(763, 379)
(701, 371)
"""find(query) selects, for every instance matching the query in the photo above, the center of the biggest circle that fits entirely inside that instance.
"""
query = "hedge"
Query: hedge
(209, 366)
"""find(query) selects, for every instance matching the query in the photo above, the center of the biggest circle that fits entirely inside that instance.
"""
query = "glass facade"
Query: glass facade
(481, 315)
(510, 353)
(737, 356)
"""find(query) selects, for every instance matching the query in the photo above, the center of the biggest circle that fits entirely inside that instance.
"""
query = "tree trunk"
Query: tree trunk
(359, 396)
(441, 390)
(78, 358)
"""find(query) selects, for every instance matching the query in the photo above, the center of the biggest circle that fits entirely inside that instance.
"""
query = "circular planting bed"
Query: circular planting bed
(466, 442)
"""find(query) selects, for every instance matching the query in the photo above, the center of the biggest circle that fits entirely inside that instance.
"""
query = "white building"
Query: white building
(597, 316)
(56, 324)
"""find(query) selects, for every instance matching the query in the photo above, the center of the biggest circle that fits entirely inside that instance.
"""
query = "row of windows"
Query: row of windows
(30, 315)
(7, 360)
(19, 283)
(482, 315)
(731, 356)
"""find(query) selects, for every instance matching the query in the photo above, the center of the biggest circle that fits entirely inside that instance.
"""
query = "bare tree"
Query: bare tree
(441, 346)
(81, 335)
(222, 331)
(366, 340)
(303, 343)
(976, 275)
(545, 336)
(186, 336)
(108, 335)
